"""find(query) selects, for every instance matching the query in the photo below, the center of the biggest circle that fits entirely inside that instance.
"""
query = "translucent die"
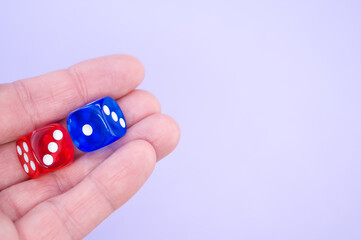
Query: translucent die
(96, 125)
(45, 150)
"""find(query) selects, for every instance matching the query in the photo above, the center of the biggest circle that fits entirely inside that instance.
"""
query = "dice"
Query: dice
(96, 125)
(91, 127)
(45, 150)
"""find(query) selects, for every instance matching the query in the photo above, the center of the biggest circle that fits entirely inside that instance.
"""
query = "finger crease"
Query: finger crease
(27, 102)
(67, 220)
(79, 81)
(10, 204)
(100, 188)
(59, 184)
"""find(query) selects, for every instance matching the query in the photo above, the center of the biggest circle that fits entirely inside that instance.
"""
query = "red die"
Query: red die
(45, 150)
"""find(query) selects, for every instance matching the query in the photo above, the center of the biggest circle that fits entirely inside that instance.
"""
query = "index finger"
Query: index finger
(30, 103)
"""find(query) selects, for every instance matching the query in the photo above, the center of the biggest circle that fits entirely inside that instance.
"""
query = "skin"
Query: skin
(72, 201)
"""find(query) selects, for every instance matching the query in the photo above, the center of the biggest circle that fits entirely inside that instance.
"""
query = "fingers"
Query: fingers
(159, 130)
(75, 213)
(28, 104)
(136, 105)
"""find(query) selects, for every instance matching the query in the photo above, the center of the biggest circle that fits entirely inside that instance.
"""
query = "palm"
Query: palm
(69, 203)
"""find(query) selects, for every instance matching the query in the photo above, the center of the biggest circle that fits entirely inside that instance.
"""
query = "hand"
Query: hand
(70, 202)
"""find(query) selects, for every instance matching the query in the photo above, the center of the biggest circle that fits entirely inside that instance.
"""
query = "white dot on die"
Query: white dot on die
(25, 146)
(19, 149)
(122, 122)
(26, 157)
(26, 168)
(106, 110)
(53, 147)
(87, 130)
(57, 135)
(114, 116)
(48, 159)
(32, 165)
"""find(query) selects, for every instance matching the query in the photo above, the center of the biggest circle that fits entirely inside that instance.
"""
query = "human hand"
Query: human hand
(70, 202)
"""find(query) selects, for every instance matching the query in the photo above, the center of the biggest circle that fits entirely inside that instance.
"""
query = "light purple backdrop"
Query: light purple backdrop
(267, 94)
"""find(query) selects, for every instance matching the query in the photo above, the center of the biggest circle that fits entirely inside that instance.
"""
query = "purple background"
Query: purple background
(267, 94)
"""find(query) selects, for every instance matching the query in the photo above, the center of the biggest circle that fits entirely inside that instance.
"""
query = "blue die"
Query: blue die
(97, 124)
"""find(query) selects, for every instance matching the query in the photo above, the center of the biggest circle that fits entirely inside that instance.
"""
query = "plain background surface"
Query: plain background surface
(267, 95)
